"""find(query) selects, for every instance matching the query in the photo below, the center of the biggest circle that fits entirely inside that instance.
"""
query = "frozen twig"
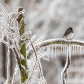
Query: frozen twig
(15, 74)
(28, 32)
(39, 41)
(3, 15)
(6, 43)
(67, 65)
(8, 65)
(60, 41)
(39, 65)
(40, 55)
(2, 8)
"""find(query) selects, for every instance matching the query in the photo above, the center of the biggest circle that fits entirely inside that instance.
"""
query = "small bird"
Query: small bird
(68, 34)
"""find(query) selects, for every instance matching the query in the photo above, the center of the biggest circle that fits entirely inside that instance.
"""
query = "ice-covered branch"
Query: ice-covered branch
(60, 41)
(8, 66)
(6, 43)
(15, 74)
(37, 62)
(55, 41)
(67, 65)
(2, 8)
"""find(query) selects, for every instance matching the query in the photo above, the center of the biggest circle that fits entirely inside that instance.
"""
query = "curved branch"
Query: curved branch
(55, 41)
(67, 65)
(60, 41)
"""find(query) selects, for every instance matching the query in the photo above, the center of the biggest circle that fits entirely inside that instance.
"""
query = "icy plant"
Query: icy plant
(27, 55)
(13, 28)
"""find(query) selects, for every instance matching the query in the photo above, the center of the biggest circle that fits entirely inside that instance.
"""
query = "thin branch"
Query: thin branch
(16, 16)
(6, 43)
(3, 15)
(39, 41)
(40, 55)
(28, 32)
(3, 10)
(40, 68)
(8, 65)
(17, 58)
(67, 65)
(15, 74)
(7, 34)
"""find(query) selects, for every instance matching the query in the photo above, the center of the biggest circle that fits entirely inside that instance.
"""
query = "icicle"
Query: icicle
(55, 49)
(65, 49)
(80, 49)
(48, 52)
(3, 35)
(70, 51)
(83, 49)
(52, 51)
(73, 49)
(43, 49)
(61, 47)
(77, 49)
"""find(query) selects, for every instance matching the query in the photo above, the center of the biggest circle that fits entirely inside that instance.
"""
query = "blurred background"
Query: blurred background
(50, 18)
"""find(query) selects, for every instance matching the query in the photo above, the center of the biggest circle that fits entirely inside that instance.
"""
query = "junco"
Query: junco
(68, 33)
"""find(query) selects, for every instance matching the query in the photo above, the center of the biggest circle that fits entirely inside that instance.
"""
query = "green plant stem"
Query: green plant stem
(23, 73)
